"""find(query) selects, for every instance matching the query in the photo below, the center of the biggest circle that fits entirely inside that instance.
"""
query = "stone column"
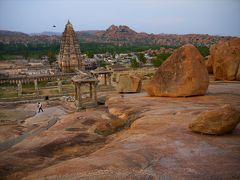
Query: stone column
(59, 86)
(36, 87)
(95, 93)
(79, 96)
(19, 88)
(76, 92)
(105, 79)
(109, 79)
(90, 89)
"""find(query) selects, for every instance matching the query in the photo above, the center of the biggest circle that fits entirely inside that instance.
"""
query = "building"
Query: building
(69, 58)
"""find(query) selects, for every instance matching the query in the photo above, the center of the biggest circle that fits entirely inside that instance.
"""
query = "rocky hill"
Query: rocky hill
(119, 35)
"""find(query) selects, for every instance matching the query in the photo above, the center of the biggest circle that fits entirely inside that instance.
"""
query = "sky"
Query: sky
(215, 17)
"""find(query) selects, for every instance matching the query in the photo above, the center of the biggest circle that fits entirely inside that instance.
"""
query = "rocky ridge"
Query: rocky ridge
(118, 35)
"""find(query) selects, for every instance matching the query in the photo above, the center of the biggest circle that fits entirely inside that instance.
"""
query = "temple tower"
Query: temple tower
(69, 58)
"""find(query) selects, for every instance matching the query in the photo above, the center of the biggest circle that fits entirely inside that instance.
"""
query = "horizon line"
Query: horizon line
(192, 33)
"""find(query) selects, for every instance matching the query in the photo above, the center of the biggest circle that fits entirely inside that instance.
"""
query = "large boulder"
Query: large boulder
(129, 84)
(225, 58)
(182, 74)
(218, 121)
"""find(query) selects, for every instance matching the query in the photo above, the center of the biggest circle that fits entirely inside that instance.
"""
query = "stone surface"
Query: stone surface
(218, 121)
(128, 83)
(157, 145)
(209, 64)
(182, 74)
(226, 60)
(69, 58)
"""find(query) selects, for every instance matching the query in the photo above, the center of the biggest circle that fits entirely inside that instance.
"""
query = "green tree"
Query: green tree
(51, 57)
(1, 57)
(163, 56)
(204, 50)
(90, 54)
(157, 62)
(142, 58)
(159, 59)
(134, 63)
(102, 63)
(26, 55)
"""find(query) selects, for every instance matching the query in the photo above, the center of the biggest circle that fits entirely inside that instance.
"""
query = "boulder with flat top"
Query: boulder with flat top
(129, 84)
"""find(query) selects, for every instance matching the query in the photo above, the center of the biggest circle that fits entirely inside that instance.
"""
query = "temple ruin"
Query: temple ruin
(80, 81)
(69, 58)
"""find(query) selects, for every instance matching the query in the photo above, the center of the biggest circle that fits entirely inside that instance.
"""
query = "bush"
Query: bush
(159, 59)
(134, 63)
(157, 62)
(204, 50)
(142, 58)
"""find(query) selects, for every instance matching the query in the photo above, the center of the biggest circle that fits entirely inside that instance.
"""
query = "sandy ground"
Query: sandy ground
(158, 145)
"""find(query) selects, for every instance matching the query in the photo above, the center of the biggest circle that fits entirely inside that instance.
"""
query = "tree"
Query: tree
(90, 54)
(163, 56)
(26, 55)
(157, 62)
(103, 63)
(142, 58)
(159, 59)
(51, 57)
(134, 63)
(204, 50)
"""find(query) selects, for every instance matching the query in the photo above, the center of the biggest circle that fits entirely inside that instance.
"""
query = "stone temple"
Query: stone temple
(69, 58)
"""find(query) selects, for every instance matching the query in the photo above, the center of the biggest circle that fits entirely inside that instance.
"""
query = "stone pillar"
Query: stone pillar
(36, 87)
(79, 95)
(19, 88)
(109, 79)
(95, 93)
(76, 92)
(59, 86)
(105, 79)
(90, 89)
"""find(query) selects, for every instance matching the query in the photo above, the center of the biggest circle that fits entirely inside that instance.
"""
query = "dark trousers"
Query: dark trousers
(40, 109)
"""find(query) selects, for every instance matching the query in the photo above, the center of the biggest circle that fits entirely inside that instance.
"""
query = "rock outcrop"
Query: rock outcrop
(218, 121)
(225, 58)
(182, 74)
(128, 84)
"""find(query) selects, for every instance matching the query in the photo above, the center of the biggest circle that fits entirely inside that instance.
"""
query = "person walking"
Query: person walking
(39, 107)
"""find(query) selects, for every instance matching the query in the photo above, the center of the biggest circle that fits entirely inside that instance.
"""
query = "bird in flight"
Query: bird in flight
(54, 26)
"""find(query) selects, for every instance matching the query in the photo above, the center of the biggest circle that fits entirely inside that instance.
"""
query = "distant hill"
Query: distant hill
(118, 35)
(46, 34)
(11, 33)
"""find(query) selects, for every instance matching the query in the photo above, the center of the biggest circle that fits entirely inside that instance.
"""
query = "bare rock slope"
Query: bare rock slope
(158, 144)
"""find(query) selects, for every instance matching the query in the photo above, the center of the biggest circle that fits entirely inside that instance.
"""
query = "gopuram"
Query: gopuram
(69, 58)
